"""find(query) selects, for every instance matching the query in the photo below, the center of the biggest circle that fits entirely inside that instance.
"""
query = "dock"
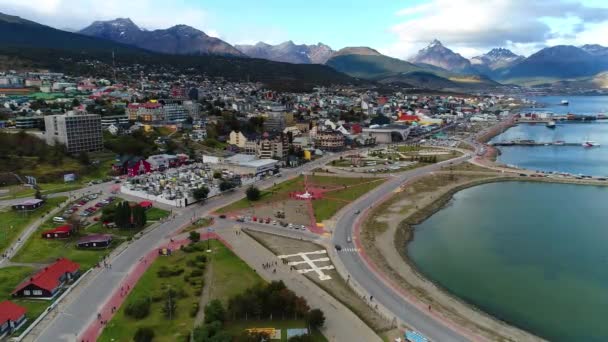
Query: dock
(533, 143)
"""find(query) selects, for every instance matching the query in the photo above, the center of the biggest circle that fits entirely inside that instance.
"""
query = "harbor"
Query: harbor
(534, 143)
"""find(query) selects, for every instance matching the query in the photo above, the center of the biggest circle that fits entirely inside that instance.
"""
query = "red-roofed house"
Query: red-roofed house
(12, 316)
(48, 281)
(61, 232)
(408, 118)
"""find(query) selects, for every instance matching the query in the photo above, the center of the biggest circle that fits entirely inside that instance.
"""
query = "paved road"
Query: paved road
(340, 324)
(81, 307)
(373, 283)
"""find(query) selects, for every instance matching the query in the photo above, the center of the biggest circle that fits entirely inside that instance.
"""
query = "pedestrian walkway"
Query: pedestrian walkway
(111, 306)
(340, 324)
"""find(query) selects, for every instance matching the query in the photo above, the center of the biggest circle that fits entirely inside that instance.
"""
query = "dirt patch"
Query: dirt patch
(389, 228)
(336, 286)
(296, 211)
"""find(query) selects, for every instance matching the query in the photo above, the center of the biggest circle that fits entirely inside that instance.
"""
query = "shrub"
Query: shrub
(138, 309)
(144, 334)
(316, 318)
(194, 309)
(201, 258)
(166, 272)
(214, 311)
(196, 273)
(253, 193)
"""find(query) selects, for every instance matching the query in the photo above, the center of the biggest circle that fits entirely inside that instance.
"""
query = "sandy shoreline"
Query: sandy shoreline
(387, 248)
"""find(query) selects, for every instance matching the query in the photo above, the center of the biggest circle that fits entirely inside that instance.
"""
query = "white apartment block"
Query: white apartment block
(78, 132)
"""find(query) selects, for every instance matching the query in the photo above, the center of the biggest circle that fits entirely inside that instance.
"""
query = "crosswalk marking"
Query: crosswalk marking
(351, 250)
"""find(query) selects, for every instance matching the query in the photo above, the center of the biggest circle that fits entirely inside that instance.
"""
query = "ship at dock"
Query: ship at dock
(590, 143)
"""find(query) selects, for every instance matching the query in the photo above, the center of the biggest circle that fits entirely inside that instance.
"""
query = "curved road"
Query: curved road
(366, 277)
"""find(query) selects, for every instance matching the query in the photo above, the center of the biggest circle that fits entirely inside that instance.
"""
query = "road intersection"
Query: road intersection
(78, 310)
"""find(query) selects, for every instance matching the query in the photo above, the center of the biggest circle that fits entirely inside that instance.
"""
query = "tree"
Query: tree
(201, 193)
(38, 194)
(226, 185)
(139, 217)
(144, 334)
(214, 311)
(194, 237)
(253, 193)
(217, 174)
(138, 309)
(316, 318)
(83, 158)
(170, 305)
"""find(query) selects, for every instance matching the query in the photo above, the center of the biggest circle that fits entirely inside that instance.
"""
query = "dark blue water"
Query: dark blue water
(571, 159)
(587, 105)
(532, 254)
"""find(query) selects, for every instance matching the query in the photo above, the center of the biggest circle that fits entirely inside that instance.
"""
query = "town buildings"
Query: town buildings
(78, 132)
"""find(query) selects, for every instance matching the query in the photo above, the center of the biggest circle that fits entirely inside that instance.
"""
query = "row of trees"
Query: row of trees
(269, 301)
(125, 216)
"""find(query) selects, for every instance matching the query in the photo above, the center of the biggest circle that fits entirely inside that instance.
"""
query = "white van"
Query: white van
(58, 219)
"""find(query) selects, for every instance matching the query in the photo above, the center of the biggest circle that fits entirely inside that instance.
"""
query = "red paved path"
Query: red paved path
(412, 299)
(95, 328)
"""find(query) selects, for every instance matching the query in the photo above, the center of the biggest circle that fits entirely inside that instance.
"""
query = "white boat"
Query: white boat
(590, 143)
(551, 124)
(565, 102)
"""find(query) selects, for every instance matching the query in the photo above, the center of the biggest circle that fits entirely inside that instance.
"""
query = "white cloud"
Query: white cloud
(471, 27)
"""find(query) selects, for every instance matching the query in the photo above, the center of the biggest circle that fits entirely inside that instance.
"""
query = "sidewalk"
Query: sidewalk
(14, 248)
(340, 324)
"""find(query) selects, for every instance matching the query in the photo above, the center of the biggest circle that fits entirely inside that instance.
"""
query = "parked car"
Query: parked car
(222, 216)
(58, 219)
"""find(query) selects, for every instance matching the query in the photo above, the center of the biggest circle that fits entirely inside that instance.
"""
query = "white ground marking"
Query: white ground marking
(310, 262)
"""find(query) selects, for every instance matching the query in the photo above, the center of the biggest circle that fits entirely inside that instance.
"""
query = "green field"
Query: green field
(280, 192)
(13, 222)
(12, 276)
(277, 192)
(200, 223)
(230, 276)
(155, 214)
(333, 201)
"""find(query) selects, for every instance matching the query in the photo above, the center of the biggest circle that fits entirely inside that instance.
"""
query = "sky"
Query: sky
(398, 28)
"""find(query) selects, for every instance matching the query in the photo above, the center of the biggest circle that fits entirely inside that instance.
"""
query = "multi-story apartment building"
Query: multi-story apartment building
(155, 112)
(78, 132)
(116, 120)
(329, 140)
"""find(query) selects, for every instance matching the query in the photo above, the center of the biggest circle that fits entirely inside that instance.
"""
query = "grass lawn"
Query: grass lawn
(236, 328)
(155, 214)
(13, 222)
(200, 223)
(333, 201)
(280, 192)
(231, 276)
(12, 276)
(277, 192)
(39, 250)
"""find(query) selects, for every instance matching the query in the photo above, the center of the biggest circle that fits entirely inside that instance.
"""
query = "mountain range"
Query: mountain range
(434, 64)
(176, 40)
(289, 52)
(26, 45)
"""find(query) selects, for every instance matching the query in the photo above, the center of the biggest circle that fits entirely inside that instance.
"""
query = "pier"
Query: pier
(533, 143)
